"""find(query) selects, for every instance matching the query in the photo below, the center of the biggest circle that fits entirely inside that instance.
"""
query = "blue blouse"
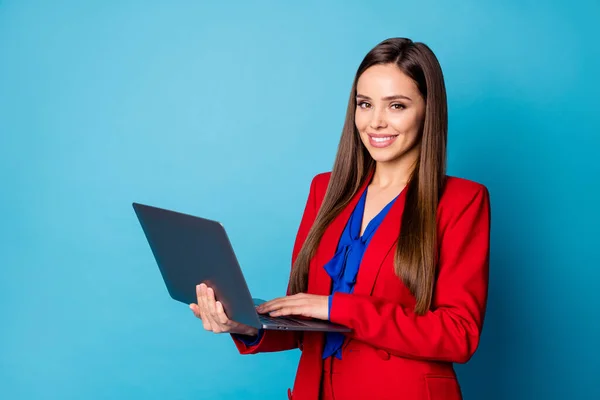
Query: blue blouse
(343, 267)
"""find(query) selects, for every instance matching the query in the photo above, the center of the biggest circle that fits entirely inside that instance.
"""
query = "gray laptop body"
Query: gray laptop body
(191, 250)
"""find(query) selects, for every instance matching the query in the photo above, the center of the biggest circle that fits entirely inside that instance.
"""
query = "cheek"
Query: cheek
(407, 123)
(361, 121)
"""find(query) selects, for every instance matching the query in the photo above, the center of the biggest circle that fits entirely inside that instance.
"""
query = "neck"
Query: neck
(396, 173)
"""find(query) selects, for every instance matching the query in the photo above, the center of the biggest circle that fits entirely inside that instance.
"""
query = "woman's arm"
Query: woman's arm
(273, 340)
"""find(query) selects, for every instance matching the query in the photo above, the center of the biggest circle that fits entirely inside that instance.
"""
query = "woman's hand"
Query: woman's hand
(213, 316)
(306, 305)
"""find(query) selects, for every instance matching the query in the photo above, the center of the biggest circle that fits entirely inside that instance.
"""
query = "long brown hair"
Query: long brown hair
(416, 250)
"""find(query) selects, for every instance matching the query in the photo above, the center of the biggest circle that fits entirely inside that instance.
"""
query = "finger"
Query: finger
(205, 314)
(275, 300)
(283, 302)
(270, 305)
(221, 317)
(288, 310)
(216, 317)
(293, 305)
(211, 308)
(201, 294)
(203, 297)
(195, 310)
(205, 321)
(210, 301)
(198, 294)
(200, 314)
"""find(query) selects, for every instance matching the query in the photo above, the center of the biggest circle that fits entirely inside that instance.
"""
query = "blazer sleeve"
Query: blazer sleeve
(450, 331)
(274, 340)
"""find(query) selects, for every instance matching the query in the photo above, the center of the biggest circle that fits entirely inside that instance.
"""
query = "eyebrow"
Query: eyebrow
(387, 98)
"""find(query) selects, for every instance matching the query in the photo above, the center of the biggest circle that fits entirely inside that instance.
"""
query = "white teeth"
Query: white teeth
(383, 139)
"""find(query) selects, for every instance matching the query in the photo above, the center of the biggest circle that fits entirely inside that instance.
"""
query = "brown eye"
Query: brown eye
(364, 104)
(398, 106)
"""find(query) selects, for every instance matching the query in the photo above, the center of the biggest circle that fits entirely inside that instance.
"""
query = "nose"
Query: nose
(378, 119)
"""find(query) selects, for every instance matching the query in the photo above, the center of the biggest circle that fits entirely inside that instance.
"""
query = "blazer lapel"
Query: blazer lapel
(319, 282)
(381, 244)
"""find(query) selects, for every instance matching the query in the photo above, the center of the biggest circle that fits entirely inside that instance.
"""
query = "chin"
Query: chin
(385, 155)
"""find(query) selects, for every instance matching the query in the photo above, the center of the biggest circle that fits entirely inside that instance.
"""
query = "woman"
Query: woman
(388, 245)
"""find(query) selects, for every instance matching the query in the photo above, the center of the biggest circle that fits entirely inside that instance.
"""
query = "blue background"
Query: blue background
(227, 111)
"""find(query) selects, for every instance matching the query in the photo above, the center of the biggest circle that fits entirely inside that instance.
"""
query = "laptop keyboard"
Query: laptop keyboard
(281, 321)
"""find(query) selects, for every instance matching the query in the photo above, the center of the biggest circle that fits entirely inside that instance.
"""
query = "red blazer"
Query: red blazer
(393, 353)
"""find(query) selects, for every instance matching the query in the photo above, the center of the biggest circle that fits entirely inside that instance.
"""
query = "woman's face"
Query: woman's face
(389, 113)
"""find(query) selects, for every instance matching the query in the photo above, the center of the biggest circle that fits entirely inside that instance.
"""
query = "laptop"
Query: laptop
(190, 250)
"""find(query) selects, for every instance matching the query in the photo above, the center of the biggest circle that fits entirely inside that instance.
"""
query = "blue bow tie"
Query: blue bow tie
(344, 278)
(343, 281)
(343, 267)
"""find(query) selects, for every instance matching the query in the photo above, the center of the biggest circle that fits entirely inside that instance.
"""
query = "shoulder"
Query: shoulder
(319, 184)
(318, 188)
(460, 193)
(321, 181)
(460, 187)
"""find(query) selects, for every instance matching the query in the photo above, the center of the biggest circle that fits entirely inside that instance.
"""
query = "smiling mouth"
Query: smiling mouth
(380, 141)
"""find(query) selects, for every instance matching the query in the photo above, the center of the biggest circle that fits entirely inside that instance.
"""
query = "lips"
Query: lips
(381, 141)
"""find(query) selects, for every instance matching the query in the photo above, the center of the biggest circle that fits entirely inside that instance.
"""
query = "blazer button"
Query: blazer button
(384, 355)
